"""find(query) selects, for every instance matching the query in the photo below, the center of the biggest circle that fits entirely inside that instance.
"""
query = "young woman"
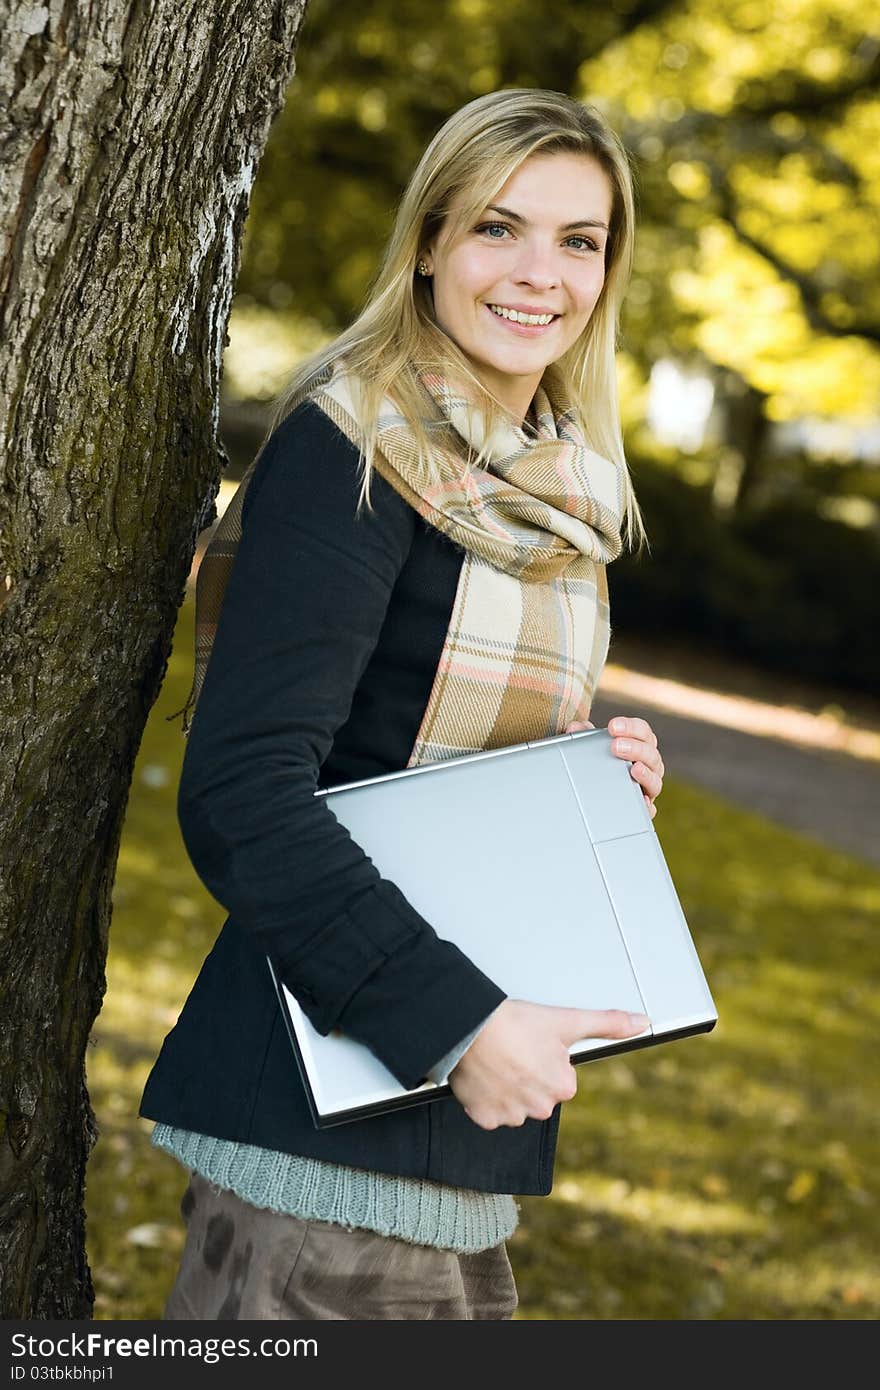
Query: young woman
(413, 569)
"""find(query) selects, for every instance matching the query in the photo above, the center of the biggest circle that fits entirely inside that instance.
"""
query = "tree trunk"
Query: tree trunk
(131, 134)
(743, 456)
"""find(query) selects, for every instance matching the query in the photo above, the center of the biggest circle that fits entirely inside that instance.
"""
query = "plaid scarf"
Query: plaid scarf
(529, 630)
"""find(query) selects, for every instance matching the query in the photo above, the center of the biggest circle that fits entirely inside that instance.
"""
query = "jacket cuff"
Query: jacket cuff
(440, 1070)
(396, 986)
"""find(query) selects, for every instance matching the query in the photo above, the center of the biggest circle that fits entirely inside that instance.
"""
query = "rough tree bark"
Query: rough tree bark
(130, 134)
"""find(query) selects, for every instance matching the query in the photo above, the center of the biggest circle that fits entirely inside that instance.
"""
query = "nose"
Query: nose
(537, 265)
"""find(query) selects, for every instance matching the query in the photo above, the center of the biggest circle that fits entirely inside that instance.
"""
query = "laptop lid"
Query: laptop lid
(553, 882)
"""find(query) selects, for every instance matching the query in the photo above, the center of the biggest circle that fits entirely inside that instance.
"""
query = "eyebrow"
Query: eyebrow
(569, 226)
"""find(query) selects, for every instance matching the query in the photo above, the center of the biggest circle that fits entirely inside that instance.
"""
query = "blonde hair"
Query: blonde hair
(396, 335)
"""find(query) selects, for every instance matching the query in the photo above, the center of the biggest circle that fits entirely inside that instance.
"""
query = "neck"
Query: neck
(516, 394)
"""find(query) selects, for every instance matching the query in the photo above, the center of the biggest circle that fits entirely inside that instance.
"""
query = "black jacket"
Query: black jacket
(329, 637)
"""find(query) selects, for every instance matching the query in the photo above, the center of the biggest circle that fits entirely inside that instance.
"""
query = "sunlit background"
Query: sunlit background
(730, 1176)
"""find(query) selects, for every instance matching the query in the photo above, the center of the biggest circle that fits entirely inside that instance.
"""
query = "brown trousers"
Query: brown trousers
(242, 1262)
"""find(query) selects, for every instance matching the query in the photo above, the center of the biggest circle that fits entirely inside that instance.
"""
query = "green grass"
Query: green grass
(725, 1176)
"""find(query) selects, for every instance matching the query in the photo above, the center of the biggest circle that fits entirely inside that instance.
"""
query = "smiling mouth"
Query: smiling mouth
(536, 323)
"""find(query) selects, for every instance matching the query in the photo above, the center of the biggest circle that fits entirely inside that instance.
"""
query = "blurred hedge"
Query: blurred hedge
(782, 586)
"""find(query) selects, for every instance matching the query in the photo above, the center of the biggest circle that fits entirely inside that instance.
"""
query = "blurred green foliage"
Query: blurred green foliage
(754, 132)
(754, 136)
(726, 1176)
(781, 586)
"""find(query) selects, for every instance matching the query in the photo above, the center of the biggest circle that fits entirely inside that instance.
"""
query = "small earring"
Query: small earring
(423, 268)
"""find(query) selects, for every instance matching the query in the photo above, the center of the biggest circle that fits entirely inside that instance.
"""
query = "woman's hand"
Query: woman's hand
(635, 740)
(518, 1067)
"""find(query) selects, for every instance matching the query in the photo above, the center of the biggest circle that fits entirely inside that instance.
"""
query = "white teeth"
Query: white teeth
(517, 317)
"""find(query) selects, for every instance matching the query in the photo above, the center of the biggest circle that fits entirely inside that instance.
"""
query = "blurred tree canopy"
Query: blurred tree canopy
(754, 132)
(757, 132)
(374, 84)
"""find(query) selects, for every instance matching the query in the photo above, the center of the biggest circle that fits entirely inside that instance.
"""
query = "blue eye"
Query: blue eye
(486, 228)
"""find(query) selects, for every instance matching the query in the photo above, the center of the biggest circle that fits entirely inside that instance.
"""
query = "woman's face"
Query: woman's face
(538, 248)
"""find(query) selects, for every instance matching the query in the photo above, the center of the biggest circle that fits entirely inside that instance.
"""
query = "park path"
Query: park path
(787, 750)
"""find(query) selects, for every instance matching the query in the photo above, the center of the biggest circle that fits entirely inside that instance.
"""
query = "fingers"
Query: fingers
(509, 1118)
(650, 781)
(519, 1067)
(487, 1121)
(639, 750)
(601, 1023)
(635, 740)
(513, 1114)
(632, 728)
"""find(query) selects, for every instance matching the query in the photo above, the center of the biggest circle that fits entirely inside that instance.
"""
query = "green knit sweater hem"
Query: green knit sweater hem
(411, 1209)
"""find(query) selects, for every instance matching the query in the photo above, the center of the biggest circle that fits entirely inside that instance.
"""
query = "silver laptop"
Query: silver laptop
(569, 900)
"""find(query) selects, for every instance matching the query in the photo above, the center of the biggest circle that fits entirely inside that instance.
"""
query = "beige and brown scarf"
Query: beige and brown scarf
(529, 630)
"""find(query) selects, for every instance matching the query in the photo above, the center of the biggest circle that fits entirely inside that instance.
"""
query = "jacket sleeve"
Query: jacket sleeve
(301, 615)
